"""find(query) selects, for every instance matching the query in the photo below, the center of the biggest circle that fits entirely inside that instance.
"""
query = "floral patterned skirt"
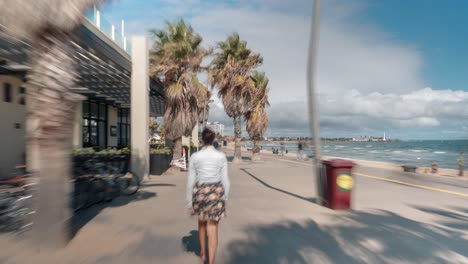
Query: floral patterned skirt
(208, 202)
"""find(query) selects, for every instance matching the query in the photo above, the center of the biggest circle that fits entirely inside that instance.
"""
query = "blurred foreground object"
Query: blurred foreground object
(16, 207)
(47, 25)
(313, 114)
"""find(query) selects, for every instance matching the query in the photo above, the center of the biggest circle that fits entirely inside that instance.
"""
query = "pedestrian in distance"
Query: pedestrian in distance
(299, 150)
(461, 164)
(224, 145)
(282, 148)
(434, 167)
(305, 149)
(207, 192)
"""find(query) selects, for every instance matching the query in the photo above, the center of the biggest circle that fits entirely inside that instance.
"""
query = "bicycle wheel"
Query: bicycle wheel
(96, 192)
(111, 190)
(80, 195)
(21, 220)
(128, 184)
(108, 174)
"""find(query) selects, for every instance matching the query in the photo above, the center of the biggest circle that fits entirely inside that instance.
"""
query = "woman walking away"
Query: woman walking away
(207, 192)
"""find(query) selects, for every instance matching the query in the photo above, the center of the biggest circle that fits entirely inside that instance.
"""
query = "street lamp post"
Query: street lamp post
(311, 82)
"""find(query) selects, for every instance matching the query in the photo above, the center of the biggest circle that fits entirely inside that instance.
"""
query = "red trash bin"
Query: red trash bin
(340, 183)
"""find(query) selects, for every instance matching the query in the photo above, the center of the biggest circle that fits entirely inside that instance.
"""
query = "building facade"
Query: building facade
(103, 119)
(217, 127)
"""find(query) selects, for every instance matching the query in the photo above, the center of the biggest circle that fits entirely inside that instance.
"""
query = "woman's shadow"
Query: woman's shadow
(192, 244)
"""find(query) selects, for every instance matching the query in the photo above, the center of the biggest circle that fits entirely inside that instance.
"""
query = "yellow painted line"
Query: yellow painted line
(292, 161)
(413, 185)
(390, 180)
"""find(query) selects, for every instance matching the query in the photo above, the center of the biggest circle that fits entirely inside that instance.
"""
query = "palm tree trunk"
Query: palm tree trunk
(176, 148)
(51, 106)
(237, 139)
(256, 150)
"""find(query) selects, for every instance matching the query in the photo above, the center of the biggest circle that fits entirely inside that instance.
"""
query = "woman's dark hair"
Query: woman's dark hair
(208, 136)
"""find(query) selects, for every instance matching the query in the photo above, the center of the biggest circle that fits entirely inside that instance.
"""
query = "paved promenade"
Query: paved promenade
(273, 218)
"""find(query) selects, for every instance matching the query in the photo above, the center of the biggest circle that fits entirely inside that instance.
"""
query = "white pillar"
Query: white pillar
(139, 108)
(113, 32)
(98, 19)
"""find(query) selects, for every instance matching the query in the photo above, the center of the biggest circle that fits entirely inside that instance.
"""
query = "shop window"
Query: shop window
(22, 94)
(7, 92)
(94, 125)
(123, 127)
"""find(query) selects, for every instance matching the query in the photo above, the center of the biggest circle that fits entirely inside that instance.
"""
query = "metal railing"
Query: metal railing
(115, 32)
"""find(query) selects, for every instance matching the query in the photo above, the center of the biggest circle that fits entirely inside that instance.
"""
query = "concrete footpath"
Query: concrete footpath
(272, 218)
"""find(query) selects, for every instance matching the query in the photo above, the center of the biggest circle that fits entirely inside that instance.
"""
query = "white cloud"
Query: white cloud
(419, 122)
(418, 104)
(357, 66)
(367, 80)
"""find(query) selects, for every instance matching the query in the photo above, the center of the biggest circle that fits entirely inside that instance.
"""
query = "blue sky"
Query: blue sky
(437, 28)
(384, 65)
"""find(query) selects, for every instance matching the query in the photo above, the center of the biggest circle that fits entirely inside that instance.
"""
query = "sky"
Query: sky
(393, 66)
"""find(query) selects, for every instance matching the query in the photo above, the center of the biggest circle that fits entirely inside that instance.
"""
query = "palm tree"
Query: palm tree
(47, 25)
(257, 118)
(176, 60)
(204, 104)
(230, 72)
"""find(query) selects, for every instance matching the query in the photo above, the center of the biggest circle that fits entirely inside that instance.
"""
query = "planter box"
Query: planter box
(159, 163)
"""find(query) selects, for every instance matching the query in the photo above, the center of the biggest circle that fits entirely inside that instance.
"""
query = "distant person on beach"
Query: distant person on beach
(282, 148)
(216, 144)
(274, 150)
(207, 192)
(461, 164)
(305, 150)
(225, 145)
(435, 167)
(299, 150)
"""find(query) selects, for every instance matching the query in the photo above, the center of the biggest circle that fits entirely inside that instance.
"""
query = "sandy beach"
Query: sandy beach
(374, 164)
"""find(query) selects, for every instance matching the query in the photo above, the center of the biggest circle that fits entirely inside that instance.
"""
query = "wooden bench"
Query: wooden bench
(409, 168)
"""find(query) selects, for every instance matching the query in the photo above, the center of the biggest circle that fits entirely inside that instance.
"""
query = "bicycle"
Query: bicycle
(126, 184)
(97, 181)
(15, 214)
(16, 208)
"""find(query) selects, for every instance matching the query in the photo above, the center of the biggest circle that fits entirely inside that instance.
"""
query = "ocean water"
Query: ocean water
(419, 153)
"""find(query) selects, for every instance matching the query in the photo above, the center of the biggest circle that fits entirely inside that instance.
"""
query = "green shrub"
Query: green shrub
(104, 152)
(108, 152)
(158, 146)
(162, 151)
(124, 151)
(83, 151)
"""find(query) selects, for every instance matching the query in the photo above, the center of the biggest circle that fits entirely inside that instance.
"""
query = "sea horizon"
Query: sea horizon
(421, 153)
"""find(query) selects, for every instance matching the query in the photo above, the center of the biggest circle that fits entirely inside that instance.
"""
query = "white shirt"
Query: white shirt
(207, 166)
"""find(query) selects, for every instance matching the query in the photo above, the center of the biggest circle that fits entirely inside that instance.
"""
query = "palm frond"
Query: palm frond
(176, 59)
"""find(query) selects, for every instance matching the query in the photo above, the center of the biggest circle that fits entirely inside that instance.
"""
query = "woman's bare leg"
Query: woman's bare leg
(212, 230)
(202, 238)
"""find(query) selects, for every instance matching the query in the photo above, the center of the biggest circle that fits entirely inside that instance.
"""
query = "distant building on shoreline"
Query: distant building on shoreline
(216, 127)
(373, 139)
